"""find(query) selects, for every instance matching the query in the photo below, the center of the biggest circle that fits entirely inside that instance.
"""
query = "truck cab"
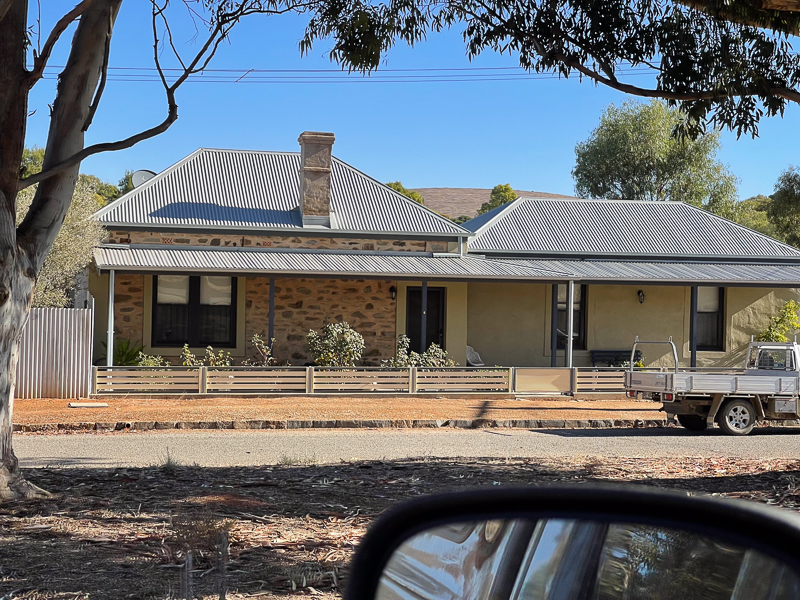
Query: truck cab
(771, 358)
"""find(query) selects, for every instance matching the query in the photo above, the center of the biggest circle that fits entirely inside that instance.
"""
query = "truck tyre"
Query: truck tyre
(736, 417)
(693, 422)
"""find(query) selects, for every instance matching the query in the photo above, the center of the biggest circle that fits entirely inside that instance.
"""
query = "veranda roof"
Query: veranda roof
(391, 265)
(668, 272)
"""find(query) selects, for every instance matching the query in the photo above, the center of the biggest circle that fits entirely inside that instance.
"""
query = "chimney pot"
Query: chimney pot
(315, 177)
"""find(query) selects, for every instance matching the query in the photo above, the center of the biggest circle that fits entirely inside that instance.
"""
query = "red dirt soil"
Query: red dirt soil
(45, 410)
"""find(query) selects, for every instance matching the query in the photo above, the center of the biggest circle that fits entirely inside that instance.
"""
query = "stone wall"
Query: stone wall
(129, 307)
(303, 304)
(274, 241)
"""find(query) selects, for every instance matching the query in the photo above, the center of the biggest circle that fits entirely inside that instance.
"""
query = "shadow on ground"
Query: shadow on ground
(649, 432)
(112, 533)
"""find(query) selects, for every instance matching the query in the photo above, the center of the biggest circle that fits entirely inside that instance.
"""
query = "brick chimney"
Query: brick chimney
(315, 178)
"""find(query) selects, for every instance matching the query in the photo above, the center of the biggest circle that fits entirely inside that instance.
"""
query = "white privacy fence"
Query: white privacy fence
(55, 358)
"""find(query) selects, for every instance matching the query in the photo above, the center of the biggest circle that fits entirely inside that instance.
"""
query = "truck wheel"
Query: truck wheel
(692, 422)
(736, 417)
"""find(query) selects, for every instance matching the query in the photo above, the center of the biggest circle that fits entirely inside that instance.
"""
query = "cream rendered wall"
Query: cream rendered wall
(455, 320)
(615, 317)
(747, 312)
(507, 323)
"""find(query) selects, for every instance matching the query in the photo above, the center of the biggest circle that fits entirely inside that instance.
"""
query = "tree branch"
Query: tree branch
(781, 92)
(103, 78)
(40, 59)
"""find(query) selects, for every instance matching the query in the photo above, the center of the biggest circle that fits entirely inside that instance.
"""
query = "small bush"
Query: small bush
(339, 345)
(150, 360)
(264, 358)
(220, 359)
(126, 352)
(433, 357)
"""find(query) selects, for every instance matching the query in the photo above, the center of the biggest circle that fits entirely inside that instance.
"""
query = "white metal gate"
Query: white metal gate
(56, 354)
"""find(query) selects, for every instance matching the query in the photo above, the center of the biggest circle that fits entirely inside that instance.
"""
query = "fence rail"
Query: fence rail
(598, 379)
(302, 380)
(356, 380)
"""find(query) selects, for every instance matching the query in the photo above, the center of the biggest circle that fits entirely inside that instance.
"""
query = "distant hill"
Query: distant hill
(455, 202)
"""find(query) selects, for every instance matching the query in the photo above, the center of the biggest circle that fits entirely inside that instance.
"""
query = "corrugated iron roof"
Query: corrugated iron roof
(319, 262)
(542, 226)
(669, 272)
(252, 189)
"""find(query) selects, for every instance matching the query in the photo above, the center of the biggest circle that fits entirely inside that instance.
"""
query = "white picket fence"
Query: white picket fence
(55, 359)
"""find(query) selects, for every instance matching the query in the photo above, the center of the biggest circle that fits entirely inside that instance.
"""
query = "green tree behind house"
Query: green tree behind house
(633, 155)
(501, 194)
(399, 187)
(784, 209)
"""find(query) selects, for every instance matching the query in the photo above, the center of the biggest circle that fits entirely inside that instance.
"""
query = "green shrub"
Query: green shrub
(786, 320)
(433, 357)
(339, 345)
(126, 352)
(211, 359)
(150, 360)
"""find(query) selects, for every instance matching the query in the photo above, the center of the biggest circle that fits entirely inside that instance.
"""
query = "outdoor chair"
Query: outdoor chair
(473, 358)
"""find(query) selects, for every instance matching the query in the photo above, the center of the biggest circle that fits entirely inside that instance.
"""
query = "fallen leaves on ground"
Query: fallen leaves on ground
(122, 533)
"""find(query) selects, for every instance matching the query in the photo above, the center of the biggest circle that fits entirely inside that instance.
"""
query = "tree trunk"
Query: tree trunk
(16, 275)
(23, 249)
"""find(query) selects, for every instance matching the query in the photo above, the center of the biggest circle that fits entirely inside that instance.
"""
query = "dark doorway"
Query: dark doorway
(435, 326)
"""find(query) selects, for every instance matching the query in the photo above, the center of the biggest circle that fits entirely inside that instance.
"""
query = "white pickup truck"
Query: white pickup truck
(765, 389)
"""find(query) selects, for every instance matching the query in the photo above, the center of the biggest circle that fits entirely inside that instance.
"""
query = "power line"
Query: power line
(324, 76)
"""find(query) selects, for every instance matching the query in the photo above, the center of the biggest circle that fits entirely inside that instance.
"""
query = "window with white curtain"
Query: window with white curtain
(195, 310)
(710, 318)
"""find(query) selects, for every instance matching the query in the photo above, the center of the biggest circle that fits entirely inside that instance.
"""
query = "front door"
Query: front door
(435, 324)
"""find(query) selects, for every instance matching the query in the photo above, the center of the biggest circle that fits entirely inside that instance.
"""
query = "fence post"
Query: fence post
(574, 380)
(203, 380)
(309, 380)
(412, 380)
(94, 381)
(511, 376)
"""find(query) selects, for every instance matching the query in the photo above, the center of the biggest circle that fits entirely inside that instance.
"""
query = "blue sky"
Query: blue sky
(432, 134)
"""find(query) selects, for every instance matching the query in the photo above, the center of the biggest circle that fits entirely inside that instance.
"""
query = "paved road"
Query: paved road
(221, 448)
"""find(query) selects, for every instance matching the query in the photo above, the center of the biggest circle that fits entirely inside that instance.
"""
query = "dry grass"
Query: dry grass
(117, 533)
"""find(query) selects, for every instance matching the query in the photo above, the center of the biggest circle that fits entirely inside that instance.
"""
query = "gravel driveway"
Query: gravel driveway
(242, 448)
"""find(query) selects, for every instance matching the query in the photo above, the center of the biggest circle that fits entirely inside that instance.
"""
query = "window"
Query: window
(578, 319)
(195, 310)
(710, 322)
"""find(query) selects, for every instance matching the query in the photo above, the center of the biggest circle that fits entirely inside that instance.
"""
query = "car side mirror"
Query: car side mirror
(582, 542)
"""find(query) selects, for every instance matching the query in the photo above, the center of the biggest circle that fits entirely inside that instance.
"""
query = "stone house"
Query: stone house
(225, 244)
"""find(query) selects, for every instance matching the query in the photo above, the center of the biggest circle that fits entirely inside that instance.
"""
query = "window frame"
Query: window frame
(579, 342)
(720, 345)
(194, 308)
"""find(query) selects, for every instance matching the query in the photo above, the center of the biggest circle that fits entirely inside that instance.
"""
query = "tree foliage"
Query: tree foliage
(754, 213)
(501, 194)
(632, 155)
(727, 63)
(72, 250)
(779, 325)
(398, 187)
(784, 209)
